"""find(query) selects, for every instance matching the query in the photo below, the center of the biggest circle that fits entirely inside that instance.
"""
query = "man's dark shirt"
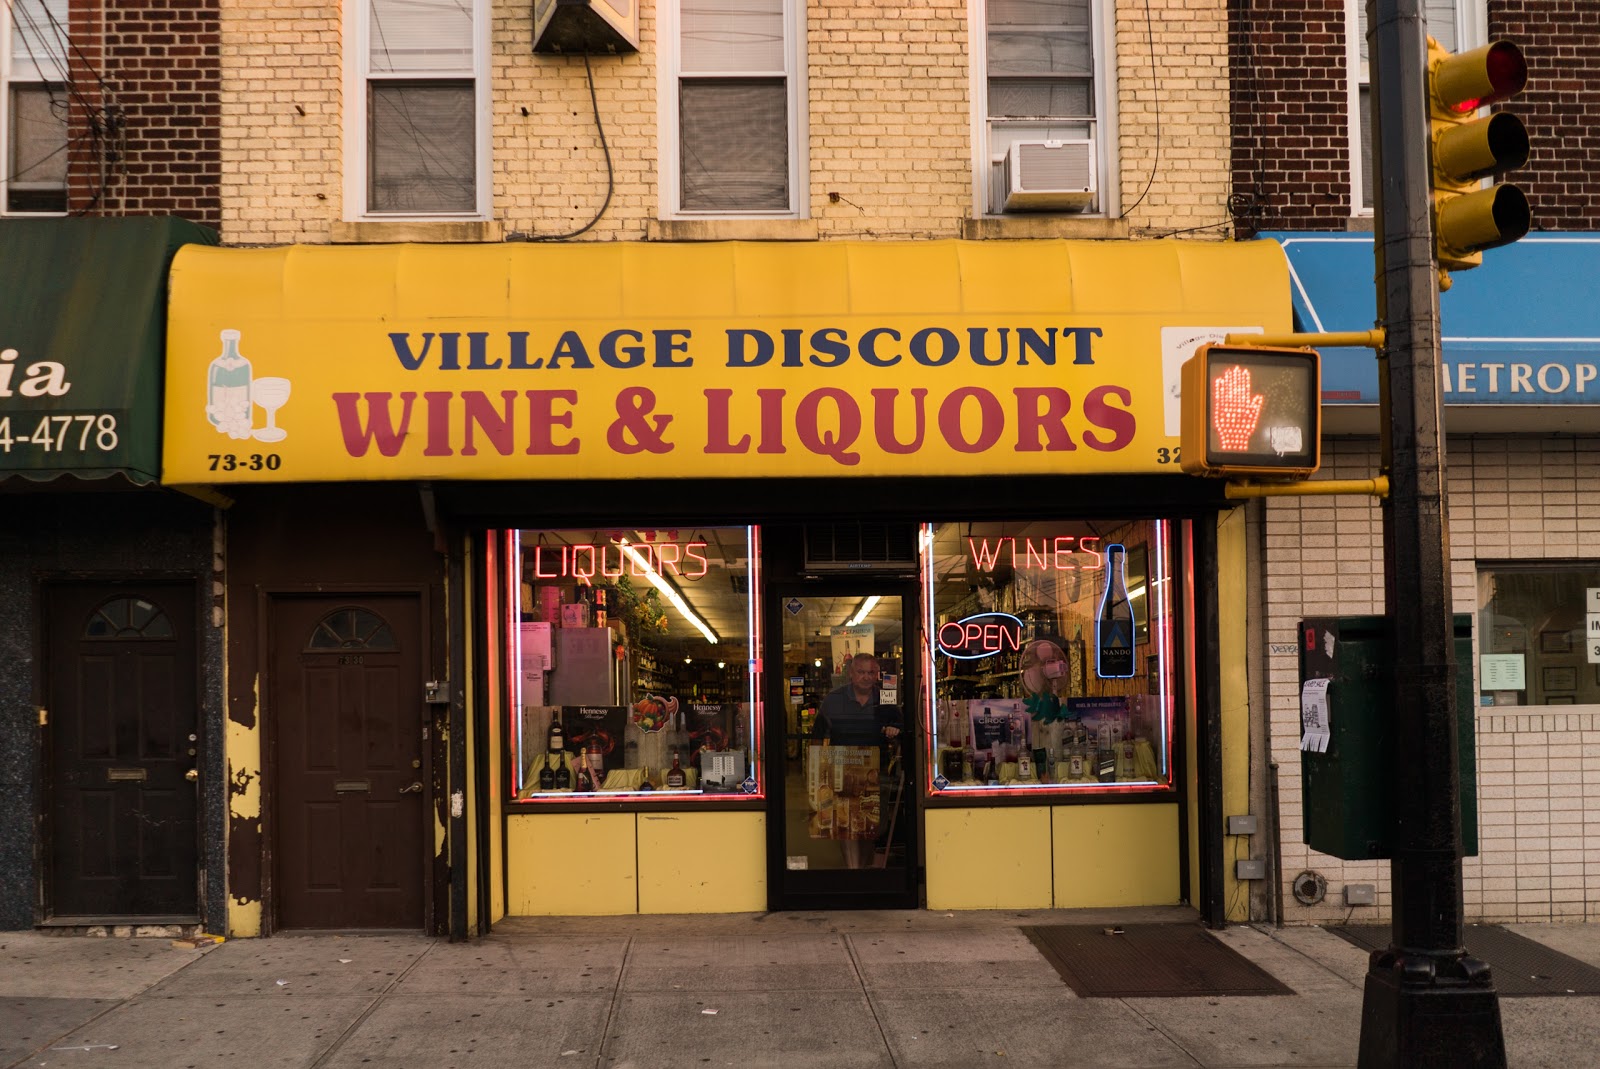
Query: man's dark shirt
(846, 722)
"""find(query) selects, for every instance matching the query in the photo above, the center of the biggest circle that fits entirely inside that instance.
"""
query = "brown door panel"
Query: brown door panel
(345, 697)
(120, 687)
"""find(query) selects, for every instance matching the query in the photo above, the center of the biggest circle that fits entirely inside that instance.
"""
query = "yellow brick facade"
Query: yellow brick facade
(888, 127)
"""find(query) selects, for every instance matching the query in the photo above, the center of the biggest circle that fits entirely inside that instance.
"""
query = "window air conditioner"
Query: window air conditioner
(1049, 176)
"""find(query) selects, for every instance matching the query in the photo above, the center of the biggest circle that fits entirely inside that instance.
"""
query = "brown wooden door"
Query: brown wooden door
(121, 728)
(345, 697)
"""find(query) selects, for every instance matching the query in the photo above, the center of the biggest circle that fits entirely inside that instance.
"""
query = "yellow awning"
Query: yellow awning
(653, 360)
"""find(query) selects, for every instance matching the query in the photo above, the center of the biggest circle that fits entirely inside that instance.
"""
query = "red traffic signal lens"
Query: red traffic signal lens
(1507, 70)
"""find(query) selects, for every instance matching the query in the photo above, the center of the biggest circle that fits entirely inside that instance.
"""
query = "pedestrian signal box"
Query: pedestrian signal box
(1252, 410)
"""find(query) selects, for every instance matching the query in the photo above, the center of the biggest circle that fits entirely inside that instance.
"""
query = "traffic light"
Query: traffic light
(1464, 149)
(1252, 410)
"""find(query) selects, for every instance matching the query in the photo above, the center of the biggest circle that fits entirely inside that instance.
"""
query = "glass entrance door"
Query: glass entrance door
(844, 807)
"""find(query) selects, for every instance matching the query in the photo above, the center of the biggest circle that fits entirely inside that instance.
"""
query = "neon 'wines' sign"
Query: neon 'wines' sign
(983, 635)
(1054, 554)
(608, 561)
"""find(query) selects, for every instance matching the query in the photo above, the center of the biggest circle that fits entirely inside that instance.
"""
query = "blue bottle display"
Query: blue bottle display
(1113, 625)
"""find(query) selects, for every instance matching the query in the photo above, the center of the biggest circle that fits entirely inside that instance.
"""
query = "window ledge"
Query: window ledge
(731, 230)
(1007, 227)
(436, 231)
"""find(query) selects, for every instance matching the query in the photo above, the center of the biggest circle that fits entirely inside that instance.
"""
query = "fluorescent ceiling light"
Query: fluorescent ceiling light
(660, 582)
(867, 606)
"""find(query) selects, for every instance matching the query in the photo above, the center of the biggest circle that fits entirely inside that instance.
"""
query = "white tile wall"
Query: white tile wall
(1538, 770)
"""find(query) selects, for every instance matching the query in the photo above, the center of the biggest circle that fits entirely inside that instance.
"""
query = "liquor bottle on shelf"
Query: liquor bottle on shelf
(969, 760)
(600, 606)
(1113, 626)
(675, 774)
(1042, 767)
(547, 776)
(556, 739)
(646, 779)
(991, 774)
(563, 777)
(586, 777)
(950, 760)
(1024, 765)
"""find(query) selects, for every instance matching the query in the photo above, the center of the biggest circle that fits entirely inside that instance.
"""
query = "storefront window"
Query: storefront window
(1051, 653)
(1539, 634)
(633, 664)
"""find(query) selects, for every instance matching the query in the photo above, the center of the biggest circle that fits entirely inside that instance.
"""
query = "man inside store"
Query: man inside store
(854, 715)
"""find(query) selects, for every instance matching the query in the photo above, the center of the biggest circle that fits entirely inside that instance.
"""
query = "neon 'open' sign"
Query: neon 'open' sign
(982, 635)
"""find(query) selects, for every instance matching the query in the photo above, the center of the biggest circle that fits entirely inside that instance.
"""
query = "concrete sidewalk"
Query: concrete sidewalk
(836, 990)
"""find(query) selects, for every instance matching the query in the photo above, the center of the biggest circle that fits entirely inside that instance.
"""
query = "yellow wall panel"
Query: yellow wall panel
(989, 858)
(563, 864)
(702, 862)
(1232, 585)
(1115, 855)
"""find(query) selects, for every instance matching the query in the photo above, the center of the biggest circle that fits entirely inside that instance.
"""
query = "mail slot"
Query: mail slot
(351, 786)
(126, 775)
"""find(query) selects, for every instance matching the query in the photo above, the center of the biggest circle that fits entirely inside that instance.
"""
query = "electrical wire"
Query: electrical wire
(611, 181)
(1155, 93)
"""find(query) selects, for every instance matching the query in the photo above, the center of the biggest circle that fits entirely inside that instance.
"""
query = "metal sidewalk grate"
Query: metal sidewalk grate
(1520, 966)
(1149, 961)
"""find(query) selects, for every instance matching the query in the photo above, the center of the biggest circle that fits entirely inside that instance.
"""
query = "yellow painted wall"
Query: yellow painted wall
(244, 804)
(1232, 582)
(1115, 855)
(989, 858)
(571, 864)
(1038, 857)
(702, 862)
(560, 864)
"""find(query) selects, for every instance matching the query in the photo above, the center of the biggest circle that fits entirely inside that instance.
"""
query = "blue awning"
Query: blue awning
(1522, 330)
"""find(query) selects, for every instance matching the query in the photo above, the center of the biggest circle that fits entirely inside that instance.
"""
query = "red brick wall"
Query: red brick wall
(145, 117)
(1561, 106)
(1291, 144)
(1289, 115)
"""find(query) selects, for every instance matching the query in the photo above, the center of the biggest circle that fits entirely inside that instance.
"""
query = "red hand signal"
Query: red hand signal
(1234, 410)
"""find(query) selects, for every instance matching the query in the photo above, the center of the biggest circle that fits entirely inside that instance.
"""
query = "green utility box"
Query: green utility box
(1348, 798)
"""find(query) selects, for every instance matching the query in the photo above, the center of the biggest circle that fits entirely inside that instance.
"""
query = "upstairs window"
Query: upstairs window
(735, 107)
(1450, 22)
(419, 147)
(33, 116)
(1040, 136)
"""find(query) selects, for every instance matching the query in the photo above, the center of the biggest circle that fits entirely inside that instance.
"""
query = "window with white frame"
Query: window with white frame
(1537, 641)
(1450, 22)
(33, 116)
(419, 142)
(1040, 128)
(734, 98)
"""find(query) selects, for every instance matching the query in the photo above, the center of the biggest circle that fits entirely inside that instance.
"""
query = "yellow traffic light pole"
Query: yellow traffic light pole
(1349, 339)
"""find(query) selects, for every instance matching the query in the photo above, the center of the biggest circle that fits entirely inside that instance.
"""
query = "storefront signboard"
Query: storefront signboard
(640, 360)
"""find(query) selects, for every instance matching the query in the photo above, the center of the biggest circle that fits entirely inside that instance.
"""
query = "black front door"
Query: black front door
(121, 727)
(842, 717)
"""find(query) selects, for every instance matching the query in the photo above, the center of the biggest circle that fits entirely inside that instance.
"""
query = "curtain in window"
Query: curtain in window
(421, 147)
(735, 145)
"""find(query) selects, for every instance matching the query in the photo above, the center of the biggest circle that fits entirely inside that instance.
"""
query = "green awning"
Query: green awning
(82, 344)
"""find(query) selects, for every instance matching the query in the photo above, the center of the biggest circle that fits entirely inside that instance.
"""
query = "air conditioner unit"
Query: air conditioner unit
(1049, 176)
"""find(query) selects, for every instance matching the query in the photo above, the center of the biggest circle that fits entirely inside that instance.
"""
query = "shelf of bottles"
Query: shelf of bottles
(1049, 665)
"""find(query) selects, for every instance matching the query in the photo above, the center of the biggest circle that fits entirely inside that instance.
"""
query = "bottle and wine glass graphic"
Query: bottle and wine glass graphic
(232, 395)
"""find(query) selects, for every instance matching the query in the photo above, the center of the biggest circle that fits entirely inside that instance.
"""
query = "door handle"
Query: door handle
(192, 775)
(415, 788)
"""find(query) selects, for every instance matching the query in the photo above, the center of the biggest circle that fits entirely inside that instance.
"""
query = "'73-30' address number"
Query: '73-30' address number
(60, 434)
(245, 462)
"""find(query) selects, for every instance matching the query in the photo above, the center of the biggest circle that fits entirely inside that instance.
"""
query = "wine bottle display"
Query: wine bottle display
(1113, 626)
(675, 775)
